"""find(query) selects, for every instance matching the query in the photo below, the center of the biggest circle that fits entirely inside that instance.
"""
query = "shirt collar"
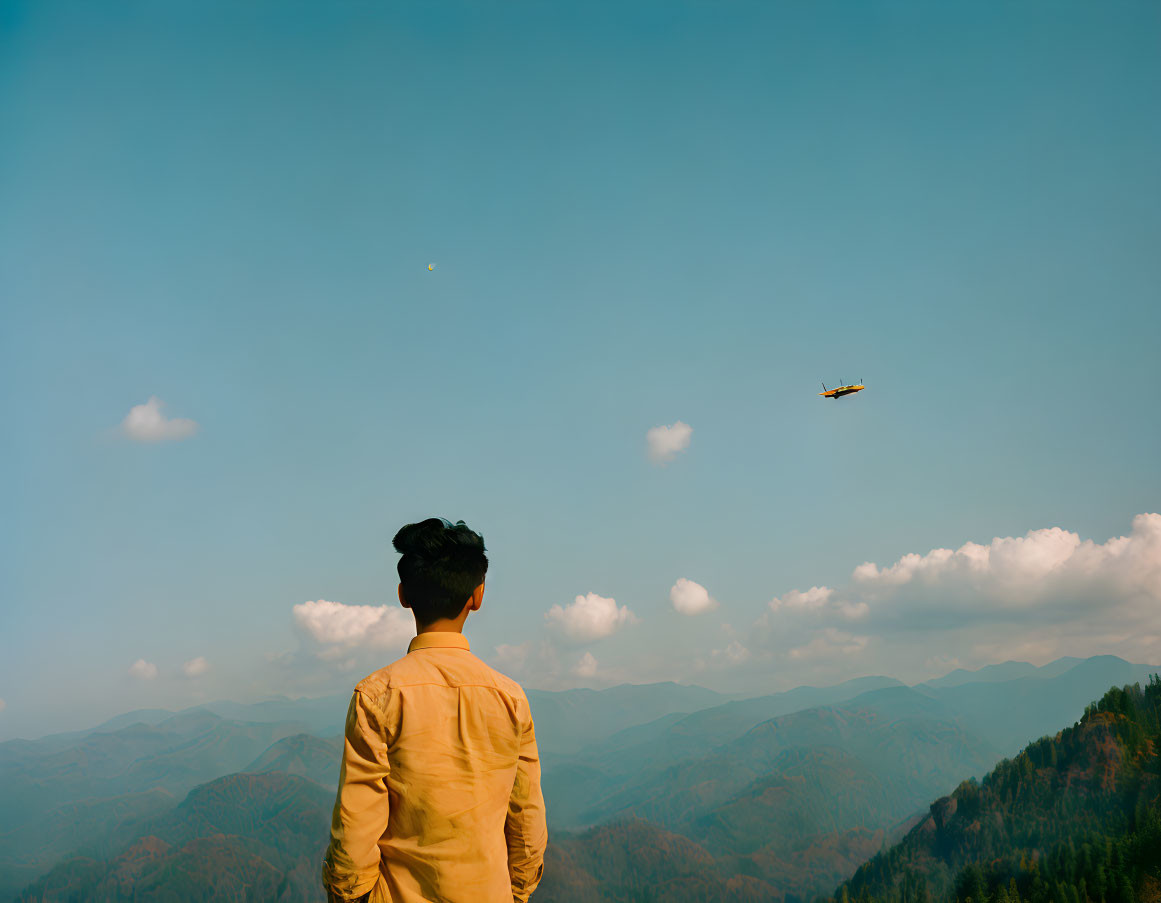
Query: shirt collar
(446, 639)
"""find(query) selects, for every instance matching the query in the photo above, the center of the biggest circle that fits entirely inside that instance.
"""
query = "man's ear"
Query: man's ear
(402, 601)
(477, 597)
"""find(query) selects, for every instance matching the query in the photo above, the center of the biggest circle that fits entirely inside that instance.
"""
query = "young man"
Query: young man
(439, 787)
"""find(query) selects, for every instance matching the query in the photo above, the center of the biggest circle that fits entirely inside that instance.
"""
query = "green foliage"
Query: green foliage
(1074, 818)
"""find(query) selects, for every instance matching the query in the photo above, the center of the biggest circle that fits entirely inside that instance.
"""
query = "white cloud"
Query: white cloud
(1022, 561)
(195, 667)
(546, 665)
(820, 601)
(143, 670)
(942, 663)
(146, 423)
(691, 598)
(338, 639)
(830, 642)
(666, 441)
(586, 667)
(340, 628)
(734, 654)
(537, 660)
(511, 657)
(813, 599)
(589, 618)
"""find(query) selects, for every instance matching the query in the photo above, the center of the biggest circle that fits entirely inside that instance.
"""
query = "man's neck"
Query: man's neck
(443, 625)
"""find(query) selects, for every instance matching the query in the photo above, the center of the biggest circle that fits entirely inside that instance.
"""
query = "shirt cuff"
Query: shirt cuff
(347, 888)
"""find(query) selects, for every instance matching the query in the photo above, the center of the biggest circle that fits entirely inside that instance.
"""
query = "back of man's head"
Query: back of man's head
(441, 567)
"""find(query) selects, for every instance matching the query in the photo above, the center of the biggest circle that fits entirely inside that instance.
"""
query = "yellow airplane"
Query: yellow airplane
(840, 391)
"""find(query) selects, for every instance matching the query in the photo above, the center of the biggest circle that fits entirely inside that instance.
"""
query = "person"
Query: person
(439, 793)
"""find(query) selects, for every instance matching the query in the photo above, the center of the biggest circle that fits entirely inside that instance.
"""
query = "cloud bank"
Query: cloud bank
(1033, 597)
(1036, 597)
(146, 423)
(1044, 569)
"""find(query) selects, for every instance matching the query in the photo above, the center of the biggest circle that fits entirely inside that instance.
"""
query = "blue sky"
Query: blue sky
(639, 215)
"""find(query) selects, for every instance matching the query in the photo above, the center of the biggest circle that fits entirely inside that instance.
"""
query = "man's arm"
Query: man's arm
(351, 867)
(525, 827)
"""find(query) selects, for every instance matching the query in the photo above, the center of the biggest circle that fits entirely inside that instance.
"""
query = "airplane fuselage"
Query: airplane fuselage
(841, 391)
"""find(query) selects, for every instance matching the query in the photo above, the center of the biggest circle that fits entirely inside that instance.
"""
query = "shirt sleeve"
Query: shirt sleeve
(351, 867)
(525, 828)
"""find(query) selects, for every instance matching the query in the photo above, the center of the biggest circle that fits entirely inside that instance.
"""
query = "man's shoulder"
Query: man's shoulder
(501, 680)
(468, 670)
(384, 678)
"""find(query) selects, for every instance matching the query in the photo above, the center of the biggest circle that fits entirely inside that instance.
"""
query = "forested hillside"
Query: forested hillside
(1074, 818)
(247, 838)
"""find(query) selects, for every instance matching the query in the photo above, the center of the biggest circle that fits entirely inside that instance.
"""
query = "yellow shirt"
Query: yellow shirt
(439, 788)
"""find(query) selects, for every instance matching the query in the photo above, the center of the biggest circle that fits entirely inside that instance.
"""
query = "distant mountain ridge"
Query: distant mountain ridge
(1009, 670)
(314, 758)
(574, 719)
(317, 714)
(621, 705)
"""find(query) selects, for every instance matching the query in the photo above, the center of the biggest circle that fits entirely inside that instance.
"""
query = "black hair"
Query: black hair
(441, 567)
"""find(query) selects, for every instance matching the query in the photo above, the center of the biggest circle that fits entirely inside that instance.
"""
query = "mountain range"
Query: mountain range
(654, 792)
